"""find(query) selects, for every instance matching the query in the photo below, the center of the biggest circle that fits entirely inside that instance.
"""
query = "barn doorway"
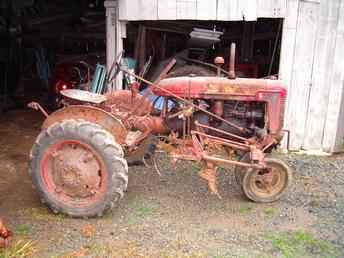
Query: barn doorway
(150, 44)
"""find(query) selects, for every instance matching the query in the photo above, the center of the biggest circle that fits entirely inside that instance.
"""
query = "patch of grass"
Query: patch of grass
(245, 209)
(196, 167)
(19, 249)
(301, 244)
(22, 230)
(270, 211)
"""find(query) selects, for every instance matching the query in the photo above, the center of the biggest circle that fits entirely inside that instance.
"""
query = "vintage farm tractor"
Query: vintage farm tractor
(78, 163)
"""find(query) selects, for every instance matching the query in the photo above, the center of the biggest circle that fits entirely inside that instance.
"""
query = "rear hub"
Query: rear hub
(72, 171)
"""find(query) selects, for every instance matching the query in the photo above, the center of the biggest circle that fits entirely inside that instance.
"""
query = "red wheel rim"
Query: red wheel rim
(73, 173)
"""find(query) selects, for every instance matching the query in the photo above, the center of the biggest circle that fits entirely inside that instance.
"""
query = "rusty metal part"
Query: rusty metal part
(231, 74)
(75, 171)
(5, 235)
(123, 101)
(147, 125)
(230, 162)
(227, 142)
(162, 75)
(221, 131)
(188, 102)
(36, 106)
(90, 114)
(219, 61)
(209, 173)
(82, 96)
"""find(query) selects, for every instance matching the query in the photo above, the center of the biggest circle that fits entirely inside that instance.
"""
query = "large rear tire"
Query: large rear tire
(78, 169)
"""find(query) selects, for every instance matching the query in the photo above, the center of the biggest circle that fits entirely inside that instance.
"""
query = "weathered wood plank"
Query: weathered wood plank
(114, 42)
(302, 74)
(322, 72)
(187, 9)
(288, 55)
(272, 8)
(132, 10)
(334, 128)
(206, 10)
(235, 10)
(225, 10)
(223, 7)
(167, 9)
(248, 10)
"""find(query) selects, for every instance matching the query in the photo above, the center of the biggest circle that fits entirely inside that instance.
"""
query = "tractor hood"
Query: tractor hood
(218, 87)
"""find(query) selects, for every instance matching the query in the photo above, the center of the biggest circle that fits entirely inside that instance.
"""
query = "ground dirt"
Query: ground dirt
(174, 215)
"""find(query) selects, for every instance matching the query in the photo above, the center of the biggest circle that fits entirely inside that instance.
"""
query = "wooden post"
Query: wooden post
(114, 43)
(288, 57)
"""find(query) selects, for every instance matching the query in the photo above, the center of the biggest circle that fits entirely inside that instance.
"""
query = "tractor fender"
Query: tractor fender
(89, 114)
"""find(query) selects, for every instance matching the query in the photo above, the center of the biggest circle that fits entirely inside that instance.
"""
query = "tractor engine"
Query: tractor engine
(253, 107)
(249, 115)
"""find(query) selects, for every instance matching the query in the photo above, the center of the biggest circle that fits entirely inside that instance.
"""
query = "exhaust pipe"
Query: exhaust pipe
(231, 74)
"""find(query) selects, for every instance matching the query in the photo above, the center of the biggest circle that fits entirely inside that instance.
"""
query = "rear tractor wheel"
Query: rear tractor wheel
(78, 169)
(265, 185)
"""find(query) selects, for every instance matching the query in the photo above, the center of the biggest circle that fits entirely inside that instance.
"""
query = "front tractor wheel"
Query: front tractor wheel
(267, 185)
(78, 169)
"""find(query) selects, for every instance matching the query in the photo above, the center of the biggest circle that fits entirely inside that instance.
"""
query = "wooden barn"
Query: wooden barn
(305, 50)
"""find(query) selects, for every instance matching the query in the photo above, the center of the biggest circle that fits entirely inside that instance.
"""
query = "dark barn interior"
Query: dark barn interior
(47, 46)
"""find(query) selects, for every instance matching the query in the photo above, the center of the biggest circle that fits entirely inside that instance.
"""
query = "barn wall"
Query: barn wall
(312, 67)
(225, 10)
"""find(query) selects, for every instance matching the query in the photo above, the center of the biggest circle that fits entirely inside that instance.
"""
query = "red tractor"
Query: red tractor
(78, 163)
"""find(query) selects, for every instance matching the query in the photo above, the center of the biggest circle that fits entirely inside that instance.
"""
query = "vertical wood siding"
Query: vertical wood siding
(322, 73)
(301, 83)
(225, 10)
(334, 127)
(312, 64)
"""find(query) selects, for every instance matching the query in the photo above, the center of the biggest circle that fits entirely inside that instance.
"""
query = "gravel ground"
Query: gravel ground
(174, 215)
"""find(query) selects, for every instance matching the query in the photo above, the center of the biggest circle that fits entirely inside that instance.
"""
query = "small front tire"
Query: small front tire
(267, 185)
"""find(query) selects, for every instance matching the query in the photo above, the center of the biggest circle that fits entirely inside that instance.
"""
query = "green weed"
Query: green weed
(300, 244)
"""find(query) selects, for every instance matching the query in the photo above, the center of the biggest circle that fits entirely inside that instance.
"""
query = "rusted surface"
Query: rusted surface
(209, 173)
(76, 171)
(147, 125)
(36, 106)
(5, 235)
(123, 101)
(90, 114)
(73, 172)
